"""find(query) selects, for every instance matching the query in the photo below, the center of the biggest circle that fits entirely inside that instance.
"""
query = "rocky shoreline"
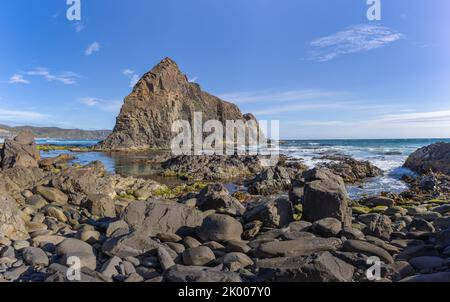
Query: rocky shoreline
(285, 223)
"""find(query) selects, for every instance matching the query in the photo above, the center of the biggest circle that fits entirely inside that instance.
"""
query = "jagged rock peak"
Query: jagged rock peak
(162, 96)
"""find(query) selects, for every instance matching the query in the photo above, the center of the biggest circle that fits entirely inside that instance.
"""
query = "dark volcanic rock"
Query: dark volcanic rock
(352, 170)
(162, 96)
(180, 273)
(273, 213)
(434, 157)
(325, 196)
(212, 167)
(270, 181)
(160, 216)
(219, 227)
(322, 267)
(297, 247)
(217, 196)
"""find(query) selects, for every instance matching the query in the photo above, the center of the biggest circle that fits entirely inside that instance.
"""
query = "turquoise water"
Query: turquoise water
(387, 154)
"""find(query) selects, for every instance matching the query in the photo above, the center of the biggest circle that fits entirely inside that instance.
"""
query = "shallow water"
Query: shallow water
(388, 155)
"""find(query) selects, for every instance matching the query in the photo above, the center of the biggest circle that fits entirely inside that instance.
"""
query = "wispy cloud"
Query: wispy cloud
(102, 104)
(301, 107)
(94, 47)
(417, 117)
(193, 80)
(79, 26)
(358, 38)
(280, 96)
(67, 77)
(21, 116)
(18, 79)
(132, 76)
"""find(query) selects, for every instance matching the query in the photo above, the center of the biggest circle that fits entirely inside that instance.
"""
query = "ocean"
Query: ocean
(387, 154)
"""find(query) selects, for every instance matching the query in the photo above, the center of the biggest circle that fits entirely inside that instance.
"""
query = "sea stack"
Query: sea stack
(161, 97)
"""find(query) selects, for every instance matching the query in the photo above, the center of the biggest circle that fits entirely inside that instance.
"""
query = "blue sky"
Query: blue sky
(319, 66)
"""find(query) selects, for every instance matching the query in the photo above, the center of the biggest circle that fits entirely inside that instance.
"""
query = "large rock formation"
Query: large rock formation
(161, 97)
(434, 157)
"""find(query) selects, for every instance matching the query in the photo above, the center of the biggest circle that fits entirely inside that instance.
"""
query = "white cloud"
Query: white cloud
(417, 117)
(67, 77)
(90, 101)
(94, 47)
(301, 107)
(280, 96)
(132, 75)
(358, 38)
(193, 80)
(104, 105)
(18, 79)
(21, 116)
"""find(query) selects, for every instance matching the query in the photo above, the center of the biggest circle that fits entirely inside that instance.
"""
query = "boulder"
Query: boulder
(35, 256)
(100, 205)
(377, 225)
(199, 256)
(219, 227)
(270, 181)
(327, 227)
(20, 151)
(181, 273)
(351, 170)
(213, 167)
(418, 251)
(368, 249)
(428, 263)
(216, 196)
(380, 201)
(61, 273)
(325, 196)
(12, 224)
(273, 213)
(71, 247)
(111, 267)
(52, 195)
(130, 245)
(81, 182)
(165, 260)
(235, 261)
(48, 163)
(162, 216)
(435, 157)
(297, 247)
(15, 180)
(322, 267)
